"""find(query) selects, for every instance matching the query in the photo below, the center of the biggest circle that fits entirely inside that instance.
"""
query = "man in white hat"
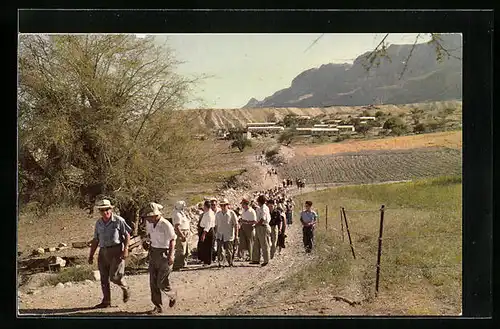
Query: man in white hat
(226, 231)
(182, 230)
(161, 254)
(112, 235)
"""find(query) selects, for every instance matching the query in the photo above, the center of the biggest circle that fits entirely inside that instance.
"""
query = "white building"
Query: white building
(367, 118)
(324, 131)
(346, 128)
(260, 124)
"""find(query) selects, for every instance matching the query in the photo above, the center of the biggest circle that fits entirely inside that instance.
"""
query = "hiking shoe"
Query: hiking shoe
(103, 305)
(126, 295)
(263, 264)
(171, 303)
(156, 310)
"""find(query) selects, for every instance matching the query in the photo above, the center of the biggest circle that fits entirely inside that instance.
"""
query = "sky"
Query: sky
(242, 66)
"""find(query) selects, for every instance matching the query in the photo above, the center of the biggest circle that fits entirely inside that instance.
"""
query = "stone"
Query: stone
(33, 292)
(87, 281)
(68, 284)
(62, 245)
(97, 275)
(39, 251)
(79, 244)
(52, 249)
(60, 285)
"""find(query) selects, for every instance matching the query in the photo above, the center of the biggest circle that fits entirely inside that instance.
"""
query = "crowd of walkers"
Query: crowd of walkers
(255, 231)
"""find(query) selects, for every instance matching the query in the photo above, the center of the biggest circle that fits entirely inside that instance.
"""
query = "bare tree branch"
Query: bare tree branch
(409, 56)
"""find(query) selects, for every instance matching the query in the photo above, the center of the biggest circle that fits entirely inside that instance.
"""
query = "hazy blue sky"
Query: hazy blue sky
(257, 65)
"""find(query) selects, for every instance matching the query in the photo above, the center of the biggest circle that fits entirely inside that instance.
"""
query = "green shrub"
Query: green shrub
(73, 274)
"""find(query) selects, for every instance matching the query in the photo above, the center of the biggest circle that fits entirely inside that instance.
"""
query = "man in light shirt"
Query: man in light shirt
(226, 231)
(162, 237)
(182, 230)
(112, 236)
(262, 233)
(308, 218)
(206, 234)
(247, 231)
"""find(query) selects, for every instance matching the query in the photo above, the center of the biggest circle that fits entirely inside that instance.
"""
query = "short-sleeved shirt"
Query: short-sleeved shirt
(179, 217)
(225, 224)
(207, 220)
(112, 232)
(249, 215)
(263, 213)
(161, 234)
(308, 216)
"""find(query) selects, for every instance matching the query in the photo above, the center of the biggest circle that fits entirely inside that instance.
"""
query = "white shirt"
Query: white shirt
(161, 234)
(208, 220)
(225, 224)
(263, 213)
(249, 215)
(179, 217)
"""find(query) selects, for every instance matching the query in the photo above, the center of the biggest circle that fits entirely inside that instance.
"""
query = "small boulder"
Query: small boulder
(52, 249)
(87, 281)
(62, 245)
(39, 251)
(60, 285)
(68, 284)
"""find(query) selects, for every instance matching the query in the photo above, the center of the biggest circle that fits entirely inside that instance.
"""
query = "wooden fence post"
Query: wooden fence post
(379, 252)
(326, 217)
(348, 233)
(341, 224)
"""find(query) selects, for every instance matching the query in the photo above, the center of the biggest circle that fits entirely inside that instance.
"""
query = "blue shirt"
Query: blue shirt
(111, 233)
(308, 216)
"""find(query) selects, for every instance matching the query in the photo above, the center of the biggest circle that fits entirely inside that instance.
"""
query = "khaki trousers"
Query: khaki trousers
(274, 239)
(181, 251)
(228, 248)
(111, 268)
(247, 236)
(261, 243)
(159, 270)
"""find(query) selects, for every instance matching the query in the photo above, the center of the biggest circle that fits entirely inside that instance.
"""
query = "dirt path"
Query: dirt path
(200, 290)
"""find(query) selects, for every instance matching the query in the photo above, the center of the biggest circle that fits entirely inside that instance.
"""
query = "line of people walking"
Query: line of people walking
(256, 233)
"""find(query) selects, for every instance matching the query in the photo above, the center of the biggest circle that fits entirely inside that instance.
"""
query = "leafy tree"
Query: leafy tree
(393, 122)
(363, 128)
(241, 143)
(98, 117)
(290, 120)
(420, 128)
(379, 114)
(271, 117)
(286, 137)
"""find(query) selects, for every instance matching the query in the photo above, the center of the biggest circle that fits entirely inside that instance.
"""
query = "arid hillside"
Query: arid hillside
(228, 118)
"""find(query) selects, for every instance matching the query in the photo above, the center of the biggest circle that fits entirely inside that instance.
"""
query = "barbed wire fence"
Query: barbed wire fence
(360, 253)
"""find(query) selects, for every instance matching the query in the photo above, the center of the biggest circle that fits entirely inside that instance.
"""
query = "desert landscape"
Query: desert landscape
(369, 147)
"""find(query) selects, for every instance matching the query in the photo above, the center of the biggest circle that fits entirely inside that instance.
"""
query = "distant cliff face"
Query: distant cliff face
(425, 79)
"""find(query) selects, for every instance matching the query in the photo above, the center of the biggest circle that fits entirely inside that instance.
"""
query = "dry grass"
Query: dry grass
(450, 139)
(421, 254)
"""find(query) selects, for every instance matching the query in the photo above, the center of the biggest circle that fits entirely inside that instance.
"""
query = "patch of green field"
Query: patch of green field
(422, 237)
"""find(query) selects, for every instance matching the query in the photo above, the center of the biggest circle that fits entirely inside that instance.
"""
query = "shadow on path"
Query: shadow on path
(77, 311)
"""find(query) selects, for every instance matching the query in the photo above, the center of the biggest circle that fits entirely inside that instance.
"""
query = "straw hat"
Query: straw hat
(103, 204)
(224, 201)
(151, 209)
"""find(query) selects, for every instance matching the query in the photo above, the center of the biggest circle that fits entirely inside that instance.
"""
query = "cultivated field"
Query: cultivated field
(450, 139)
(377, 166)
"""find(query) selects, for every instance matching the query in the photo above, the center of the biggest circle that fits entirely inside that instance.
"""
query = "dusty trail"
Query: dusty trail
(200, 290)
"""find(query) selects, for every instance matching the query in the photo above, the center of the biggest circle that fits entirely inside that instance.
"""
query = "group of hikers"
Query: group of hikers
(254, 231)
(300, 182)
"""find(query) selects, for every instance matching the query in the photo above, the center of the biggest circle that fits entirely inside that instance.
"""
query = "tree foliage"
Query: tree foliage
(286, 137)
(98, 117)
(241, 143)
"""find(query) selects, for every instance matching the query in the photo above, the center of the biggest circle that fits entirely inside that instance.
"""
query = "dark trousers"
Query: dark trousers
(308, 237)
(111, 268)
(205, 248)
(159, 270)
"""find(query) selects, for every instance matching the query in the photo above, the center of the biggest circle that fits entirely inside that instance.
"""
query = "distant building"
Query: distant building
(367, 118)
(346, 128)
(260, 124)
(321, 125)
(324, 131)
